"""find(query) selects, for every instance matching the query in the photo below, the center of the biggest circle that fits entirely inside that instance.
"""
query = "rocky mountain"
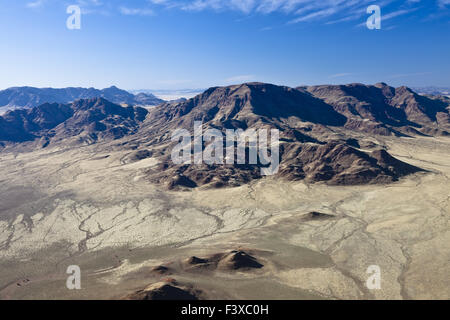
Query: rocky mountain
(381, 109)
(324, 130)
(29, 97)
(310, 148)
(246, 105)
(90, 119)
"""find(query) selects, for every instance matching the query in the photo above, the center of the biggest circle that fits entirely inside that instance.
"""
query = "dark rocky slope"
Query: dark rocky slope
(93, 118)
(317, 126)
(303, 120)
(381, 109)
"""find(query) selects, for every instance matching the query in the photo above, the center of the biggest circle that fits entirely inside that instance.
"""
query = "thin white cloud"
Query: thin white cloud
(35, 4)
(93, 6)
(397, 13)
(296, 11)
(136, 11)
(315, 15)
(240, 78)
(266, 28)
(299, 11)
(340, 75)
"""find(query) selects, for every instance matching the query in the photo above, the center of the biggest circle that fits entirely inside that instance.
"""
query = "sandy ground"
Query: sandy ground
(84, 206)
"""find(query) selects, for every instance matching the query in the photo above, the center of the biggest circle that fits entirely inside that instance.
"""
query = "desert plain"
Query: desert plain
(88, 206)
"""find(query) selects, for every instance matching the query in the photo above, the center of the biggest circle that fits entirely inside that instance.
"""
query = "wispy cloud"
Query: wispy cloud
(93, 6)
(398, 13)
(266, 28)
(340, 75)
(240, 78)
(296, 11)
(136, 11)
(35, 4)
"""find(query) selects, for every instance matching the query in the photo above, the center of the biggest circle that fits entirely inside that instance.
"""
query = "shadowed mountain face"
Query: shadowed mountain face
(29, 97)
(243, 106)
(340, 164)
(305, 123)
(316, 125)
(28, 124)
(93, 118)
(385, 110)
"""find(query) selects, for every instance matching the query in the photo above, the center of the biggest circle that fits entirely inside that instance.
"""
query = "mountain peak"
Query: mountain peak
(403, 90)
(114, 88)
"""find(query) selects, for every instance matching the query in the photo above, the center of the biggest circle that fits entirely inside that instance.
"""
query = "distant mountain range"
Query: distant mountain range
(29, 97)
(94, 118)
(325, 131)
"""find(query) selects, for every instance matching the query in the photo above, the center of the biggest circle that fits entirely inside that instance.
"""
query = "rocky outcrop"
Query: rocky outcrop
(170, 290)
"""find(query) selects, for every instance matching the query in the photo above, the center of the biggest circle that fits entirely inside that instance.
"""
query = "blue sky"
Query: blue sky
(174, 44)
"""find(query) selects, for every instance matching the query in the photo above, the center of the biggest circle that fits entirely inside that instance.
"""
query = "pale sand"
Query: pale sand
(85, 206)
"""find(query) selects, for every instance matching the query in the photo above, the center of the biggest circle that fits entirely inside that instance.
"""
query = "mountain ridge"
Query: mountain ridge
(316, 144)
(30, 97)
(317, 127)
(96, 117)
(386, 110)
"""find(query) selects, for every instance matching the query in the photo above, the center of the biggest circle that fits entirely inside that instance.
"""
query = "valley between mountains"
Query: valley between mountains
(363, 180)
